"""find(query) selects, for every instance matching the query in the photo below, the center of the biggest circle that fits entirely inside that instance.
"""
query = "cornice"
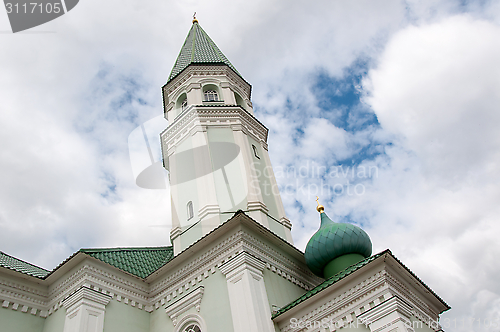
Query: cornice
(242, 261)
(208, 70)
(141, 295)
(238, 238)
(205, 265)
(280, 264)
(93, 275)
(381, 287)
(88, 296)
(192, 299)
(399, 288)
(203, 117)
(356, 299)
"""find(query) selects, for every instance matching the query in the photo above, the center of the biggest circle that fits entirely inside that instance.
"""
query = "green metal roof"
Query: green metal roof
(18, 265)
(198, 49)
(140, 262)
(327, 283)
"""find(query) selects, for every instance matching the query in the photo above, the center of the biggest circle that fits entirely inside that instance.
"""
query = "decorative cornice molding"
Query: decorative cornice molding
(369, 300)
(168, 288)
(173, 286)
(190, 300)
(394, 303)
(357, 299)
(399, 288)
(208, 70)
(279, 264)
(213, 116)
(376, 317)
(177, 282)
(242, 261)
(88, 296)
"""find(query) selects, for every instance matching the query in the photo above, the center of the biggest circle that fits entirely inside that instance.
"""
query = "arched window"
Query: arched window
(190, 213)
(255, 152)
(211, 95)
(191, 323)
(192, 328)
(181, 104)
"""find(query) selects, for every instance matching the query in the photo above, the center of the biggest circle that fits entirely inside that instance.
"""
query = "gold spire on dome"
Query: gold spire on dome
(194, 18)
(320, 207)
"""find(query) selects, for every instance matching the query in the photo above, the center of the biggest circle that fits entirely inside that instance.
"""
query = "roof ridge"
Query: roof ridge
(85, 250)
(193, 43)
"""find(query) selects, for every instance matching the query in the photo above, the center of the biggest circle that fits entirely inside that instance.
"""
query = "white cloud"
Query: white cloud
(436, 87)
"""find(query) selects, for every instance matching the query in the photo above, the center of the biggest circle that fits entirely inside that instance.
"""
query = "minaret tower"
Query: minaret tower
(214, 148)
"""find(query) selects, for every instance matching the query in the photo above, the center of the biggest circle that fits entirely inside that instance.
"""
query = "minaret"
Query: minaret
(214, 148)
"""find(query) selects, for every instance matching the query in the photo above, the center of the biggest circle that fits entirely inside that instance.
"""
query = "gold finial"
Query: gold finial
(320, 207)
(194, 18)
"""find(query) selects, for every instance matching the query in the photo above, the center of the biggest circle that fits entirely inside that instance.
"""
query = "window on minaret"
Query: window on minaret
(255, 152)
(190, 213)
(211, 95)
(184, 104)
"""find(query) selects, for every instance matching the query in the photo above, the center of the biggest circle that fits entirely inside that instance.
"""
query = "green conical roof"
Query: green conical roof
(333, 240)
(198, 49)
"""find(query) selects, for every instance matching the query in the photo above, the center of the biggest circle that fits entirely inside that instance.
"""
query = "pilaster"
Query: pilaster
(391, 315)
(247, 294)
(194, 94)
(227, 93)
(85, 310)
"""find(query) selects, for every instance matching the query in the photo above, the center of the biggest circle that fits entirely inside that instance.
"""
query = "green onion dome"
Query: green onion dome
(335, 246)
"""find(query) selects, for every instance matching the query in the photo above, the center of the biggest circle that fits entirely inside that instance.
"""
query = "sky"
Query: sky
(387, 109)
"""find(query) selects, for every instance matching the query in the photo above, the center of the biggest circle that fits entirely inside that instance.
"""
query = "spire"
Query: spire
(320, 207)
(198, 49)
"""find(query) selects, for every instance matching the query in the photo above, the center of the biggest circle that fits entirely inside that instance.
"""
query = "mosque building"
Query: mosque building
(232, 265)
